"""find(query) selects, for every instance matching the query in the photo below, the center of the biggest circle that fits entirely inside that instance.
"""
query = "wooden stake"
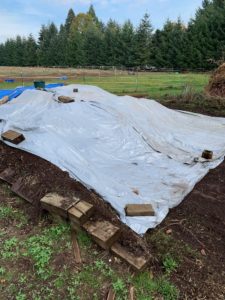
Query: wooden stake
(111, 295)
(76, 248)
(131, 293)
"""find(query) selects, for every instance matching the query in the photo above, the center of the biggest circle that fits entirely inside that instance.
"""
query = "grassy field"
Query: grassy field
(152, 85)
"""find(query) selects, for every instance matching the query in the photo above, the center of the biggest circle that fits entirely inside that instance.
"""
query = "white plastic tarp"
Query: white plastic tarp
(131, 151)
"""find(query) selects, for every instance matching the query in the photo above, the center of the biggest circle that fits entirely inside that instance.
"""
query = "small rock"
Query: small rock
(203, 252)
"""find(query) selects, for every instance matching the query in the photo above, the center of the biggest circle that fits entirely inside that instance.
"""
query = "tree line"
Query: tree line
(84, 40)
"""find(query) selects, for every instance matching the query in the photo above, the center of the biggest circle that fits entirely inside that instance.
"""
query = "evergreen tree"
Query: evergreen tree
(30, 52)
(144, 41)
(128, 44)
(69, 20)
(112, 44)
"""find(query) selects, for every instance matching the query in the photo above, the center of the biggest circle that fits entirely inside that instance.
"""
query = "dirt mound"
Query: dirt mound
(216, 86)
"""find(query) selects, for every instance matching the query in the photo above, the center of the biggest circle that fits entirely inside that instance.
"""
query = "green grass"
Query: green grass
(155, 85)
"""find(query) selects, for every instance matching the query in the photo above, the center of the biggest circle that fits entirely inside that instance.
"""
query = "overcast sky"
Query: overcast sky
(26, 16)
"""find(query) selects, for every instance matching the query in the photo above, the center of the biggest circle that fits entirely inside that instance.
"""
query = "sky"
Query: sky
(26, 16)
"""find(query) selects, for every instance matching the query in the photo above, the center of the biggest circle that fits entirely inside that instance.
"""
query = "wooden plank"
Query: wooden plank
(207, 154)
(13, 137)
(80, 212)
(111, 295)
(103, 232)
(22, 188)
(133, 210)
(76, 248)
(138, 263)
(8, 176)
(131, 293)
(57, 204)
(65, 99)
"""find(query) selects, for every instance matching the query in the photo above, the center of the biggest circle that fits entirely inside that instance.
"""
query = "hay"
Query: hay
(216, 86)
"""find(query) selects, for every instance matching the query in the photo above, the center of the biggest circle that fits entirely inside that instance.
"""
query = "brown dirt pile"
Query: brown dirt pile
(216, 86)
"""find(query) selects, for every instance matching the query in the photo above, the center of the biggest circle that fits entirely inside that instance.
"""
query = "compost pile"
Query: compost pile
(216, 85)
(129, 151)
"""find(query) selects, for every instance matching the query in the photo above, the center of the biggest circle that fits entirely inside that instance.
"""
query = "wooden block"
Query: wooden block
(134, 210)
(80, 212)
(138, 263)
(7, 175)
(57, 204)
(207, 154)
(111, 295)
(13, 137)
(65, 99)
(76, 249)
(103, 233)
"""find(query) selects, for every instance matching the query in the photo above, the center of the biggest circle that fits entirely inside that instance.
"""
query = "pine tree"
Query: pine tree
(128, 44)
(30, 51)
(144, 41)
(69, 20)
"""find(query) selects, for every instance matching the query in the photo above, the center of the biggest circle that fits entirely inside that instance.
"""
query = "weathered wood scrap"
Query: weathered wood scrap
(79, 213)
(103, 233)
(7, 175)
(111, 295)
(133, 210)
(207, 154)
(76, 248)
(138, 263)
(56, 204)
(13, 137)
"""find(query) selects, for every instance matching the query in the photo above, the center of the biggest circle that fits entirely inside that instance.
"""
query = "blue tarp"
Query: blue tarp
(18, 91)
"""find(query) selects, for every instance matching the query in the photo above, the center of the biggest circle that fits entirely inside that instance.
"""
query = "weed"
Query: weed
(83, 239)
(145, 286)
(40, 248)
(5, 212)
(21, 296)
(169, 264)
(167, 289)
(120, 288)
(23, 279)
(10, 248)
(2, 271)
